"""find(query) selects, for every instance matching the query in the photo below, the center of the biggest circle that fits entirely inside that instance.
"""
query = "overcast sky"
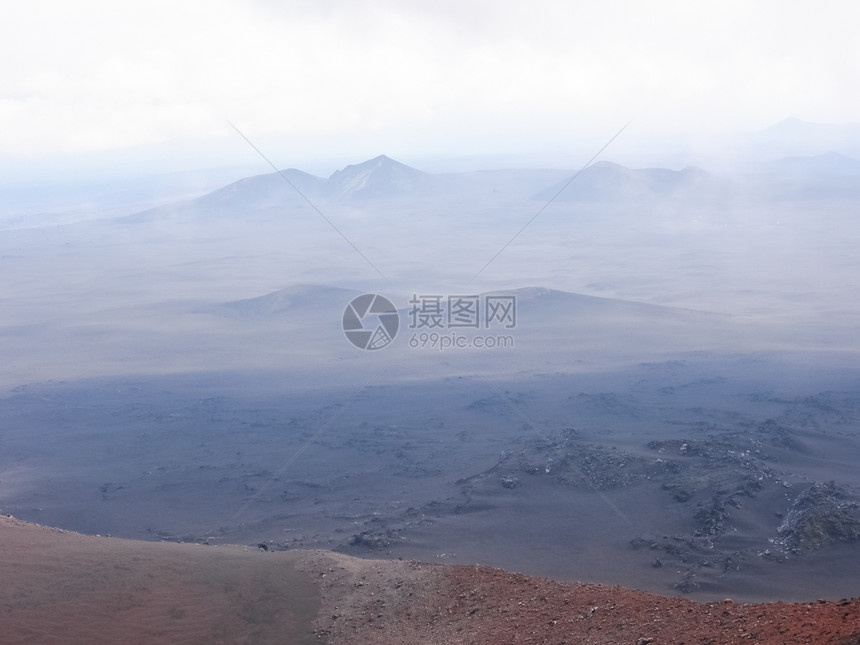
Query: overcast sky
(314, 78)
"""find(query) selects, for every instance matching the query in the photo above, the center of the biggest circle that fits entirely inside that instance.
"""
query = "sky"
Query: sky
(94, 86)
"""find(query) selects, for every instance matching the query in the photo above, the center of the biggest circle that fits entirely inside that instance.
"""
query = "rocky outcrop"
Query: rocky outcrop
(822, 515)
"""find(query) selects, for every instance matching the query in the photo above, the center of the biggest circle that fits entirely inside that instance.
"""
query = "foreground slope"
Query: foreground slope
(389, 603)
(62, 587)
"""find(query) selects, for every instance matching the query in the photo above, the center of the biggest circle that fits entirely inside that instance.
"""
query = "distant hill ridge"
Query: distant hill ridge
(606, 181)
(829, 163)
(375, 178)
(383, 178)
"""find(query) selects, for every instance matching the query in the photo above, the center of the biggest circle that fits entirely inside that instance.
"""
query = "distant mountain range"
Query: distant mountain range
(796, 138)
(610, 182)
(375, 178)
(383, 178)
(797, 131)
(830, 163)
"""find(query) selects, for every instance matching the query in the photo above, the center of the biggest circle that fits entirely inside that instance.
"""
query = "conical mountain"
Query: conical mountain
(378, 177)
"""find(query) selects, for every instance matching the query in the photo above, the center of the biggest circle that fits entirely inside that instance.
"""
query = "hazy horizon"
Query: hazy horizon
(319, 85)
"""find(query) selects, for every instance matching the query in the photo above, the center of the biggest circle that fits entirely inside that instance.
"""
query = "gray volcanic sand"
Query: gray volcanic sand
(574, 476)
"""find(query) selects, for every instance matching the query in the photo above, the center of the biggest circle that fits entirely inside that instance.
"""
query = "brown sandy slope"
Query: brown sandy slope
(61, 587)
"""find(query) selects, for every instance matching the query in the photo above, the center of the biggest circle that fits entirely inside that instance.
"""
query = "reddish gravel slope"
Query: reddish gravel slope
(407, 602)
(62, 587)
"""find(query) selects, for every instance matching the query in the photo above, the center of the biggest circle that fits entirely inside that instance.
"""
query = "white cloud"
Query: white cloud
(99, 76)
